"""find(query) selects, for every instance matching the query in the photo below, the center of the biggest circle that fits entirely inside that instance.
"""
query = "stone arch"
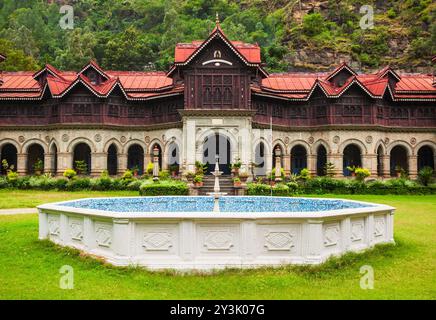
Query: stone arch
(356, 142)
(351, 157)
(82, 151)
(112, 152)
(30, 142)
(260, 157)
(299, 154)
(399, 159)
(134, 141)
(10, 141)
(9, 152)
(35, 156)
(282, 146)
(114, 141)
(171, 147)
(53, 149)
(423, 143)
(318, 143)
(152, 143)
(402, 143)
(379, 144)
(76, 141)
(302, 143)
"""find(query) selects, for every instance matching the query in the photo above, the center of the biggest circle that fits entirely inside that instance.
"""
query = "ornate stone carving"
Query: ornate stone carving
(311, 140)
(65, 137)
(218, 240)
(103, 236)
(287, 140)
(76, 230)
(53, 227)
(331, 235)
(47, 139)
(157, 241)
(21, 139)
(368, 139)
(413, 141)
(279, 240)
(357, 231)
(123, 139)
(97, 137)
(387, 141)
(164, 138)
(379, 227)
(336, 139)
(147, 139)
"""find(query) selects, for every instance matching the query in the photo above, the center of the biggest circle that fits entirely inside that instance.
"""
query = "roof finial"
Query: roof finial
(217, 19)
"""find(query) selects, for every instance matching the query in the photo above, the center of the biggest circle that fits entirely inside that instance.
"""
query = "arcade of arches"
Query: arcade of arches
(258, 157)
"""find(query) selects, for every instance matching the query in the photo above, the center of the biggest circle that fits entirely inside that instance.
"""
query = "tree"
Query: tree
(16, 59)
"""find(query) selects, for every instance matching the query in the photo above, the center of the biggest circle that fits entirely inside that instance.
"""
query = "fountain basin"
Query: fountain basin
(184, 233)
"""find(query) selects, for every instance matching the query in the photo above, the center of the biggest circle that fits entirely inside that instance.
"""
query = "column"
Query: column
(21, 163)
(287, 164)
(314, 241)
(311, 164)
(386, 170)
(48, 163)
(369, 161)
(122, 163)
(412, 162)
(337, 160)
(65, 161)
(189, 148)
(98, 163)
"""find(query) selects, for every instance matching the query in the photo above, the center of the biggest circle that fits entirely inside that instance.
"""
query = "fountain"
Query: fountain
(216, 188)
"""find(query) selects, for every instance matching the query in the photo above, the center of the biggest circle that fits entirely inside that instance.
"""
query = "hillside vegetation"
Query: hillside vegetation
(294, 35)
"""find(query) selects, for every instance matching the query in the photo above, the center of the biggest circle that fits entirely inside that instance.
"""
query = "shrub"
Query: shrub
(280, 189)
(164, 174)
(79, 184)
(81, 167)
(425, 175)
(3, 183)
(165, 187)
(149, 168)
(258, 189)
(293, 187)
(70, 173)
(198, 178)
(12, 176)
(304, 175)
(362, 173)
(127, 175)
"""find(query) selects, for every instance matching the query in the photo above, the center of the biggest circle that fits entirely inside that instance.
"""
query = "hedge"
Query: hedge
(345, 186)
(164, 188)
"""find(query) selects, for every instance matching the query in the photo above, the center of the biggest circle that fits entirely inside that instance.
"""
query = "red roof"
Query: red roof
(251, 52)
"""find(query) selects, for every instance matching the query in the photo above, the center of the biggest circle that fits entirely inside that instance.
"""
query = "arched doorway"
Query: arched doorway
(173, 157)
(380, 161)
(398, 161)
(298, 159)
(321, 161)
(54, 159)
(425, 157)
(35, 159)
(135, 158)
(112, 160)
(213, 145)
(82, 155)
(259, 166)
(8, 153)
(352, 157)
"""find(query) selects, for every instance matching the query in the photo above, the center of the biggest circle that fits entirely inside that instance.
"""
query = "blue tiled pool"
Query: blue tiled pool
(205, 204)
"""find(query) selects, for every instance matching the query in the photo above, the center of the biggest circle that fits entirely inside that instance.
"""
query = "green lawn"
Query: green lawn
(33, 198)
(29, 269)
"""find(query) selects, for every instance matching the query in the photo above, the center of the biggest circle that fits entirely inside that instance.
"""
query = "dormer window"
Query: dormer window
(93, 77)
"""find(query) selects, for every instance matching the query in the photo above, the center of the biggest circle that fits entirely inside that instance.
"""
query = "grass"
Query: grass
(32, 198)
(29, 269)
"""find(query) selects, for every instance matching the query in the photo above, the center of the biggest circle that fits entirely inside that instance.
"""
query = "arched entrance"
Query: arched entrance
(9, 153)
(112, 159)
(298, 159)
(213, 145)
(82, 154)
(425, 157)
(259, 166)
(321, 161)
(135, 158)
(352, 157)
(35, 159)
(173, 157)
(398, 161)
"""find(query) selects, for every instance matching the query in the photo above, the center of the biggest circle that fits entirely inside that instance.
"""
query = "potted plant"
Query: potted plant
(189, 175)
(235, 167)
(243, 176)
(38, 166)
(399, 171)
(81, 167)
(198, 180)
(135, 170)
(237, 182)
(352, 170)
(174, 169)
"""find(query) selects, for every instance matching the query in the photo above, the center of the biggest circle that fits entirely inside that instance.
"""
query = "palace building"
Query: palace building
(217, 99)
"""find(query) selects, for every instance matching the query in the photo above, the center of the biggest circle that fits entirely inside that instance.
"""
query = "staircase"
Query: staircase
(226, 185)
